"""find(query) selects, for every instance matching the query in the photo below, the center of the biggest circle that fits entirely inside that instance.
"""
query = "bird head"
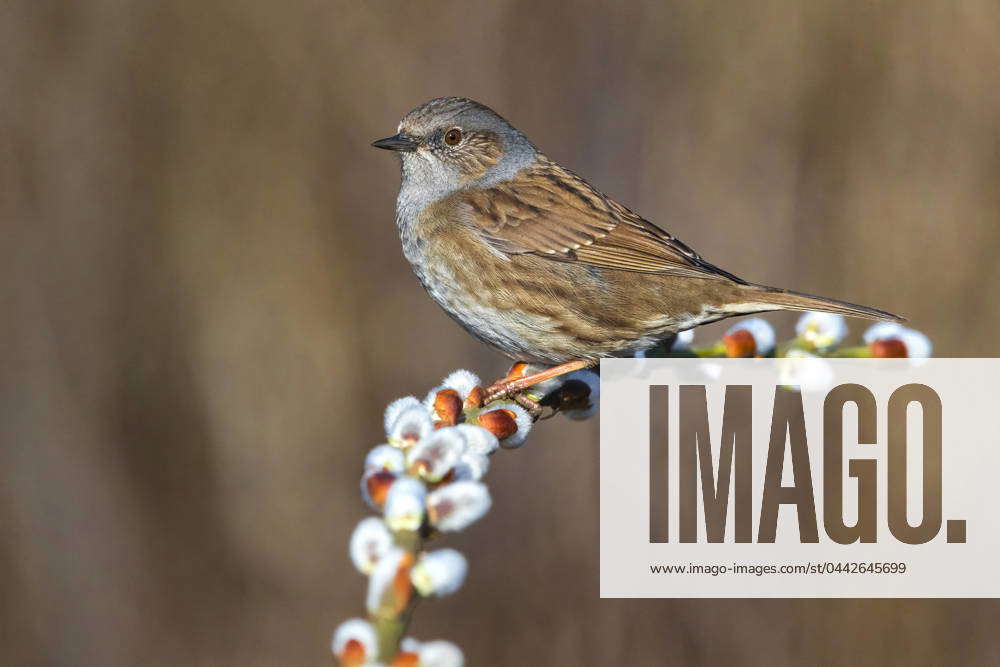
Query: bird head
(450, 143)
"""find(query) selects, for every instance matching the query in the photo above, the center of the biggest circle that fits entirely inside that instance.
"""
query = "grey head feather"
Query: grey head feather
(426, 178)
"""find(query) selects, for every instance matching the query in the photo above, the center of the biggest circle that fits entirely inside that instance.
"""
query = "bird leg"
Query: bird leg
(512, 384)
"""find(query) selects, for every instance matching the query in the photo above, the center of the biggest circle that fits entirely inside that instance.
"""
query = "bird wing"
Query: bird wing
(551, 212)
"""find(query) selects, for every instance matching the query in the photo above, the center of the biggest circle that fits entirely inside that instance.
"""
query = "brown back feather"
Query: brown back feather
(551, 212)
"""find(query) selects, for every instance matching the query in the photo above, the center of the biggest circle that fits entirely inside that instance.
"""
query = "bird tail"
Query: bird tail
(772, 298)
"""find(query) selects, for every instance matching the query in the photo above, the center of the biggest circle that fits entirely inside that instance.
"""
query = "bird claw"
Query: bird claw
(531, 406)
(496, 392)
(502, 391)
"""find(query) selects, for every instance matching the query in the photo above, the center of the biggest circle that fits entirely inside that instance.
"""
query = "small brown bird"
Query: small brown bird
(533, 260)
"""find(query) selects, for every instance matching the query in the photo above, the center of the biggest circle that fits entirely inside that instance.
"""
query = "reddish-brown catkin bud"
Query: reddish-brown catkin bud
(740, 343)
(501, 423)
(890, 348)
(448, 407)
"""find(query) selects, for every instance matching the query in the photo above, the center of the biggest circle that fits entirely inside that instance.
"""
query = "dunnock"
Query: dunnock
(533, 260)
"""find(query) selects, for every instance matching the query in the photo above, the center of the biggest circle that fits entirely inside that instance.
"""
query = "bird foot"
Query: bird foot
(498, 391)
(516, 381)
(532, 407)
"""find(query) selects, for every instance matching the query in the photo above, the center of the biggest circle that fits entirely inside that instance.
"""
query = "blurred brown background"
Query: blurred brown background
(205, 308)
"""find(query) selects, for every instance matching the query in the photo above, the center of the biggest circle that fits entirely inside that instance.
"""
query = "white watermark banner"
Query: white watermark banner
(800, 477)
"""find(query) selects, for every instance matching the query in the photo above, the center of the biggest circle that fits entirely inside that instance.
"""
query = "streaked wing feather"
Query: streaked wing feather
(551, 212)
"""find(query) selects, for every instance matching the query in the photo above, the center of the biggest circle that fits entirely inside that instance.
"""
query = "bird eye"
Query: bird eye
(453, 136)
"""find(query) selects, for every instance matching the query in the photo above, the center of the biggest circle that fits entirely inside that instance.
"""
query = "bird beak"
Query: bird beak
(401, 142)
